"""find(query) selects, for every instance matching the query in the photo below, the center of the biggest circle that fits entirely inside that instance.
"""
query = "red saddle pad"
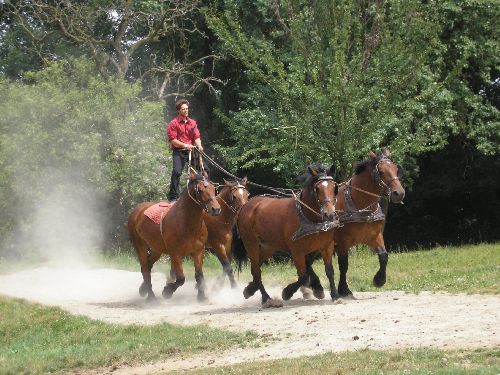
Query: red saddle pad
(157, 211)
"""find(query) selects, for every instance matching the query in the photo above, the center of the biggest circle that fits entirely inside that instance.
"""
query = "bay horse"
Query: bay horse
(232, 197)
(360, 213)
(181, 232)
(296, 225)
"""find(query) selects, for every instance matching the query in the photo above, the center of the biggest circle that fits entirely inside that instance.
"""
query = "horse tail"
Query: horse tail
(238, 249)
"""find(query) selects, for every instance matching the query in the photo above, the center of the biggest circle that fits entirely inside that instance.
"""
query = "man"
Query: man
(183, 135)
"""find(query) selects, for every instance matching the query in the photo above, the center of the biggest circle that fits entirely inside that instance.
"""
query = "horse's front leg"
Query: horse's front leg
(220, 251)
(327, 254)
(383, 258)
(198, 275)
(300, 263)
(171, 287)
(343, 261)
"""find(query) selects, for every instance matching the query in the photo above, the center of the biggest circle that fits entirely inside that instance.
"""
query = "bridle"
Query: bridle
(386, 189)
(232, 199)
(320, 204)
(197, 198)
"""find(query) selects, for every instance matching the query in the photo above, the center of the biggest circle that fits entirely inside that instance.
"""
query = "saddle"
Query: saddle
(157, 211)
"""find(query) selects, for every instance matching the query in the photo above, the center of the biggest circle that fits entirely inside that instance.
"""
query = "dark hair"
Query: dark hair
(180, 102)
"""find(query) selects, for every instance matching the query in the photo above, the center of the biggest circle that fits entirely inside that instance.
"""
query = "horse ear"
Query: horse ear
(386, 152)
(205, 174)
(226, 182)
(244, 181)
(313, 171)
(372, 154)
(332, 171)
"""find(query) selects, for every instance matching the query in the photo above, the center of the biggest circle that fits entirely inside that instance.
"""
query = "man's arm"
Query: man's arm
(197, 141)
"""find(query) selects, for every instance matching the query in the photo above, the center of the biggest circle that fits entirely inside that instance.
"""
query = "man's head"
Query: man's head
(182, 107)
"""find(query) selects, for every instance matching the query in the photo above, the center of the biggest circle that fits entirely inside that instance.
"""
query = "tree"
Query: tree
(329, 80)
(133, 39)
(73, 132)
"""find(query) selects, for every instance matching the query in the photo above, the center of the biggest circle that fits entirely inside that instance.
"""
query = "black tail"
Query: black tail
(238, 249)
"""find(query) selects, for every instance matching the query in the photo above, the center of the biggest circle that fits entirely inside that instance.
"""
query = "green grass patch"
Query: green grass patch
(412, 361)
(36, 339)
(466, 269)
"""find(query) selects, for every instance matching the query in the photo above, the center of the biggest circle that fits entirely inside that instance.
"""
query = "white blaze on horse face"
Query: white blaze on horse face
(324, 183)
(240, 190)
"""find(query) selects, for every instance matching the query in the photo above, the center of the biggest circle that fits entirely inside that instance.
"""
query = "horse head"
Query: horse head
(386, 175)
(324, 189)
(204, 193)
(235, 193)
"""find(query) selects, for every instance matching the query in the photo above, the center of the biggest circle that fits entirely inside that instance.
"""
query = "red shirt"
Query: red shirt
(185, 131)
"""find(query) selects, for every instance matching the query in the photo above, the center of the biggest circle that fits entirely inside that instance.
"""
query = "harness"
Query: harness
(307, 226)
(353, 215)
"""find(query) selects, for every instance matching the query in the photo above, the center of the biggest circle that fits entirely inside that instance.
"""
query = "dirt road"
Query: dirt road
(381, 320)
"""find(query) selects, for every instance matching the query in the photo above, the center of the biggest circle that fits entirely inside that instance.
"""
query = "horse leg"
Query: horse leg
(171, 275)
(343, 288)
(146, 287)
(380, 277)
(327, 260)
(171, 287)
(314, 281)
(226, 266)
(198, 275)
(300, 264)
(250, 289)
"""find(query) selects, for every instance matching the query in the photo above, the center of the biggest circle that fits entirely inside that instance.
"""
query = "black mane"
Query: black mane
(371, 162)
(308, 179)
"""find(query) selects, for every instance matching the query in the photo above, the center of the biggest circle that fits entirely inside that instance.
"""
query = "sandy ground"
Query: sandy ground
(381, 320)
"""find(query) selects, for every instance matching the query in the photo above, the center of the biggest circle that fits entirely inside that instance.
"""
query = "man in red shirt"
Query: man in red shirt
(183, 135)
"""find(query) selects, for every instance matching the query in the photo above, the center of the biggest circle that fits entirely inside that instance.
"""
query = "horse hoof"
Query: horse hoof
(167, 292)
(272, 303)
(379, 280)
(306, 292)
(151, 298)
(247, 293)
(319, 293)
(143, 290)
(234, 285)
(202, 298)
(344, 291)
(335, 296)
(286, 295)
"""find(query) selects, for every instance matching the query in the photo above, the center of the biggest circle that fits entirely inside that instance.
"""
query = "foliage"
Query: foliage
(39, 340)
(330, 80)
(69, 127)
(157, 41)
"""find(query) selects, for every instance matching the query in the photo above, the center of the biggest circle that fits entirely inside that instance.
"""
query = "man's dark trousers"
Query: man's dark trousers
(179, 160)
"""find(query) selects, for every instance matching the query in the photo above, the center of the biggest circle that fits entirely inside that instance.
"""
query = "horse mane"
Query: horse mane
(308, 179)
(370, 162)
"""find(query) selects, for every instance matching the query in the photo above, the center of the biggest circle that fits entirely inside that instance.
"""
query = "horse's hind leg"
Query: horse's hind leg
(300, 264)
(171, 287)
(141, 248)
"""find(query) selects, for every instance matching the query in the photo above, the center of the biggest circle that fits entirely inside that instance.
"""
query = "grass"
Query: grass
(36, 339)
(411, 361)
(465, 269)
